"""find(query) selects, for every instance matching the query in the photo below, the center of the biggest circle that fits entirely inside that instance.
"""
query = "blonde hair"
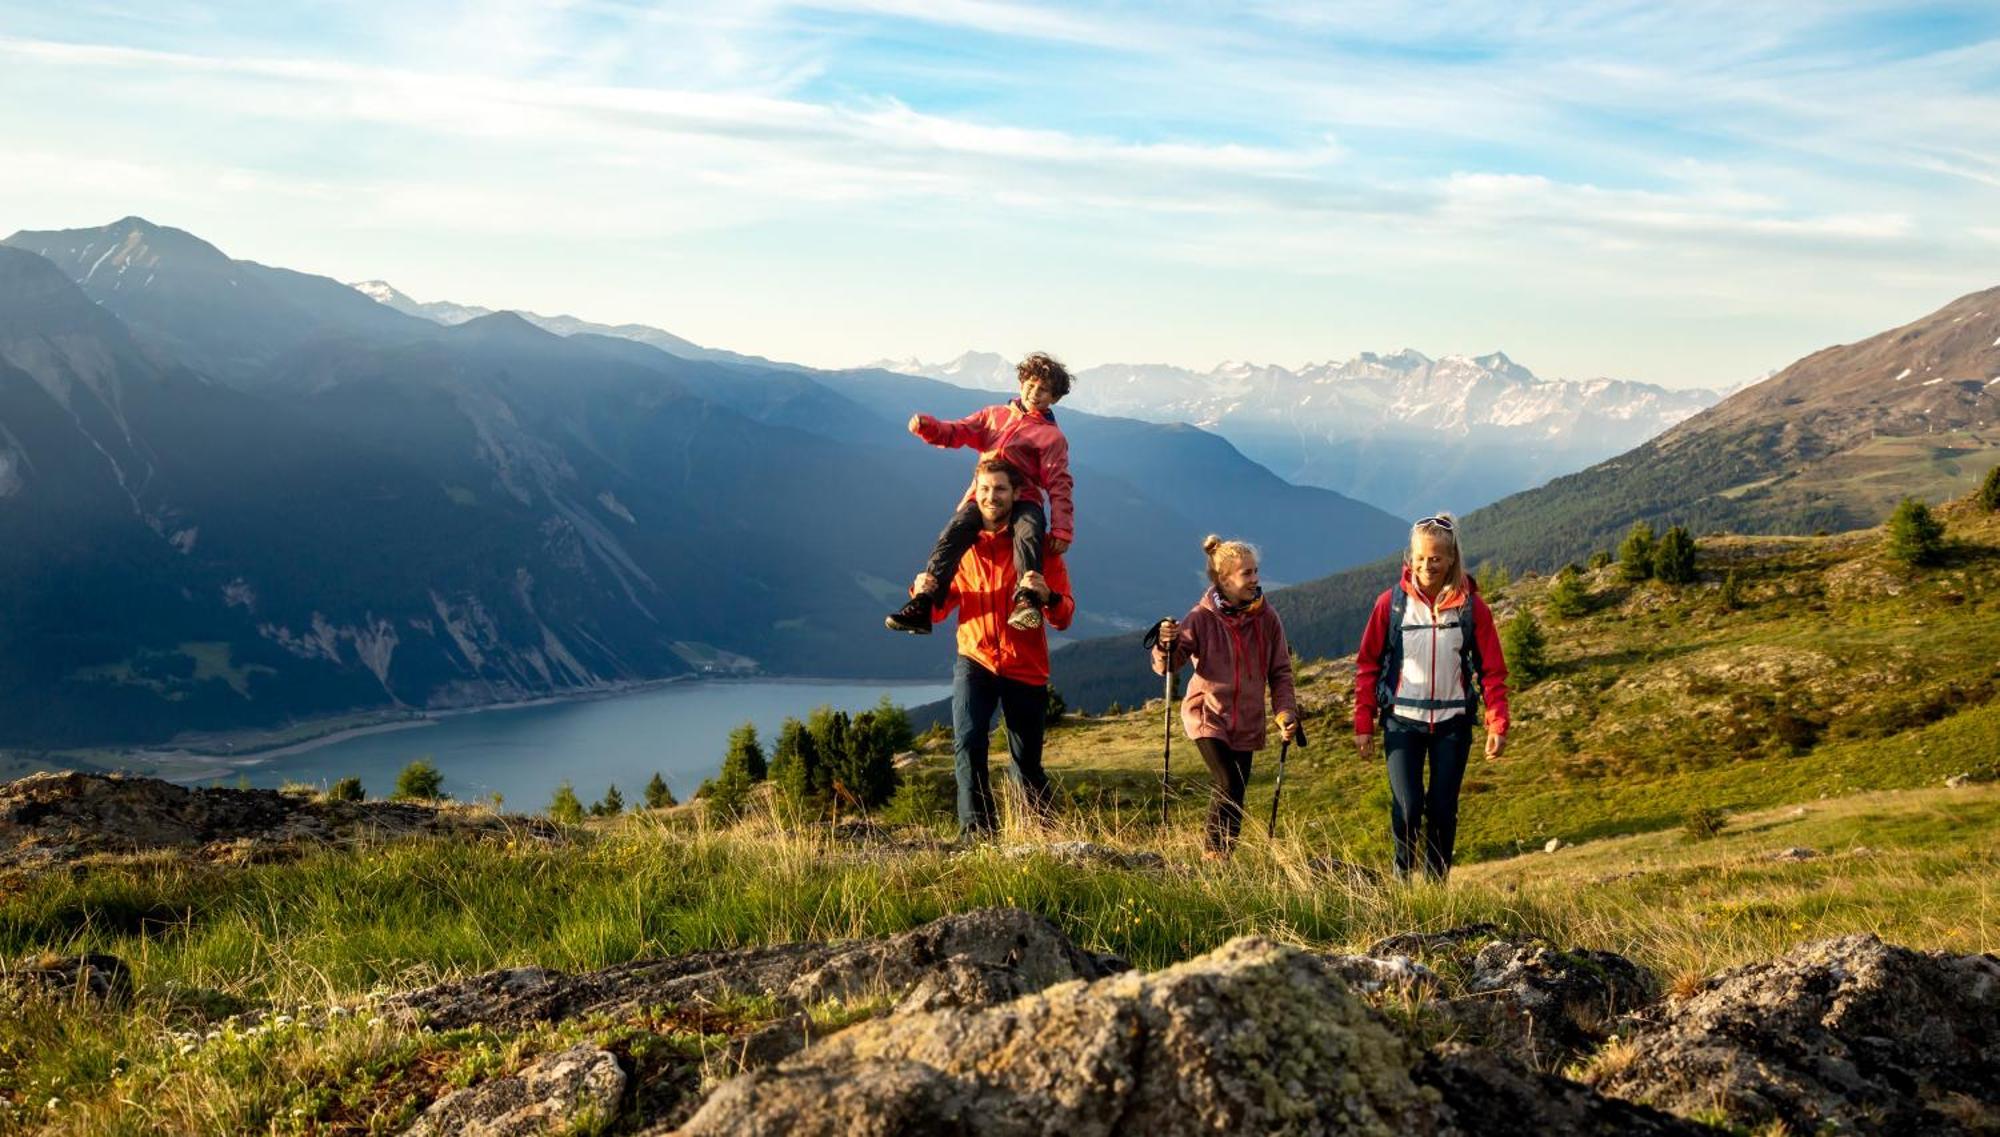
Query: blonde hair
(1442, 527)
(1224, 554)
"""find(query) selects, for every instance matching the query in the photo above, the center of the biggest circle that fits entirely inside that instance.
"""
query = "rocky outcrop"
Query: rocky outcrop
(1254, 1037)
(48, 819)
(1493, 1097)
(558, 1093)
(1849, 1035)
(969, 959)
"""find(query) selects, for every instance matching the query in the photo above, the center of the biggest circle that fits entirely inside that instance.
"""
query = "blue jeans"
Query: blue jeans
(1417, 812)
(975, 694)
(1029, 526)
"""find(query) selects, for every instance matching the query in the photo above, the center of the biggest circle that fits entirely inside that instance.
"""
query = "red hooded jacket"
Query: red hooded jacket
(1431, 672)
(983, 593)
(1029, 440)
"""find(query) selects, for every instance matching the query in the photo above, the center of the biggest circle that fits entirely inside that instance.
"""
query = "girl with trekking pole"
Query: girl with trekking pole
(1237, 644)
(1429, 655)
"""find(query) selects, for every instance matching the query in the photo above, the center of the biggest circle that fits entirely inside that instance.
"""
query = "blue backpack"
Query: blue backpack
(1386, 699)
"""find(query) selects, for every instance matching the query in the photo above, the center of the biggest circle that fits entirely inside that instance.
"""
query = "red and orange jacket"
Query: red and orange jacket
(1432, 685)
(1236, 657)
(983, 593)
(1030, 440)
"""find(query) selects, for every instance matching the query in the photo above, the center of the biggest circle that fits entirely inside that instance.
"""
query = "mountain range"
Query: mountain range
(1485, 426)
(234, 495)
(1830, 443)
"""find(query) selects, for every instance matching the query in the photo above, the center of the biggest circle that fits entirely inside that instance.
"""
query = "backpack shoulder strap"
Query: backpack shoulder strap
(1392, 653)
(1469, 664)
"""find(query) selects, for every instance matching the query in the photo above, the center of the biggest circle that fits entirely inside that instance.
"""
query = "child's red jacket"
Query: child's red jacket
(1029, 440)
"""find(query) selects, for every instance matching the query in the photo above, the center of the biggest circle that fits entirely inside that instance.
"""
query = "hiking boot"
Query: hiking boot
(914, 617)
(1027, 615)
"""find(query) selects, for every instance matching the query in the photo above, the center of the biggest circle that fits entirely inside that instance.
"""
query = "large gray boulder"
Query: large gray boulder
(1254, 1037)
(1849, 1035)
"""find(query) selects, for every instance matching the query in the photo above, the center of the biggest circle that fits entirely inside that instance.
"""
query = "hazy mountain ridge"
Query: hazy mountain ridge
(1490, 424)
(376, 510)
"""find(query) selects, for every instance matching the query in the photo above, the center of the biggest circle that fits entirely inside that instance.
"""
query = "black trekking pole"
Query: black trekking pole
(1166, 719)
(1284, 746)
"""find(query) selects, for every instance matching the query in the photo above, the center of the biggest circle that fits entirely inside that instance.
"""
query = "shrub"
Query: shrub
(1732, 592)
(419, 781)
(346, 789)
(1673, 557)
(894, 719)
(1703, 822)
(1989, 490)
(1057, 708)
(1916, 536)
(923, 798)
(658, 794)
(564, 807)
(1566, 596)
(1526, 649)
(1600, 559)
(1635, 555)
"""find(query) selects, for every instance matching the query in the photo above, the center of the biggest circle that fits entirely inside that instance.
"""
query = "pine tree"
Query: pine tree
(1916, 536)
(796, 767)
(564, 808)
(868, 767)
(346, 789)
(1495, 579)
(1057, 708)
(611, 804)
(1525, 648)
(1635, 555)
(745, 751)
(1567, 598)
(896, 720)
(1673, 557)
(1989, 490)
(1732, 592)
(658, 794)
(419, 781)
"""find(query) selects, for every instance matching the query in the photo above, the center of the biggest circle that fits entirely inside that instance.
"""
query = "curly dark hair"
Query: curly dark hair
(1041, 365)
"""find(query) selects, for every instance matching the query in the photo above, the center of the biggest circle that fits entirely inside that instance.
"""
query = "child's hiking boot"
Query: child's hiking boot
(914, 617)
(1027, 614)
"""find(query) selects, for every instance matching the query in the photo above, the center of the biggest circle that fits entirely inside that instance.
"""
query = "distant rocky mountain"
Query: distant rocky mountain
(1486, 425)
(1831, 443)
(448, 313)
(232, 496)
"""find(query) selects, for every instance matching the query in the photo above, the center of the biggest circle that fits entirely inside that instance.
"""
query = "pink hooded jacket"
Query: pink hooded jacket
(1031, 441)
(1235, 659)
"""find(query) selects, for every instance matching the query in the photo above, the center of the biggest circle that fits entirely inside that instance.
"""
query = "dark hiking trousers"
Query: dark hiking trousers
(975, 694)
(1030, 525)
(1419, 812)
(1229, 774)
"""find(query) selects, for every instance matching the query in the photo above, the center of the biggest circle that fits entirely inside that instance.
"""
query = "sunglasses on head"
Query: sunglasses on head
(1443, 523)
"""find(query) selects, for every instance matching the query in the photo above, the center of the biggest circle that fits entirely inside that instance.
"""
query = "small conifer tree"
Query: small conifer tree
(346, 789)
(1673, 557)
(1599, 559)
(1635, 555)
(419, 781)
(1916, 536)
(1495, 579)
(1732, 592)
(1567, 598)
(895, 720)
(658, 794)
(611, 804)
(1989, 490)
(564, 808)
(1057, 707)
(745, 751)
(1526, 648)
(796, 767)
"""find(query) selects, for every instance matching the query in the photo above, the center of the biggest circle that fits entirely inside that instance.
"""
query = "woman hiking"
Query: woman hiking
(1428, 656)
(1239, 651)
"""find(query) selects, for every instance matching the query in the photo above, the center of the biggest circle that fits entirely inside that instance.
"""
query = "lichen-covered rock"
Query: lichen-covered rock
(1493, 1096)
(1398, 973)
(553, 1094)
(1417, 943)
(1849, 1035)
(48, 819)
(1088, 853)
(1033, 952)
(1548, 1004)
(93, 974)
(1254, 1037)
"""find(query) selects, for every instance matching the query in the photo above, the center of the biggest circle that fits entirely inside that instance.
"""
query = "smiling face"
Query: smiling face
(1037, 394)
(993, 492)
(1431, 561)
(1238, 582)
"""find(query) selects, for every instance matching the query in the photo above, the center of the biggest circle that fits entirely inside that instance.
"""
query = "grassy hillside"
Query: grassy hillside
(1677, 748)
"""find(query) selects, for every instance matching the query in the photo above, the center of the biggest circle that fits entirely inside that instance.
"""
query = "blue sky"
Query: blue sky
(1689, 194)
